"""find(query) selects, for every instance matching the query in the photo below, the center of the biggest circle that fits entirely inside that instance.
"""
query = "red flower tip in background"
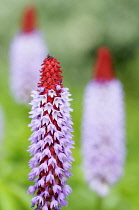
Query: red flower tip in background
(51, 73)
(104, 68)
(29, 19)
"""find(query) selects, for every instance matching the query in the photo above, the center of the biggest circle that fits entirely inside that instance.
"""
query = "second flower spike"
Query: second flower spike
(26, 54)
(103, 134)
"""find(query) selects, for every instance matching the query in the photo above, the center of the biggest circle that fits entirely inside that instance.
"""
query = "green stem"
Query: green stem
(99, 203)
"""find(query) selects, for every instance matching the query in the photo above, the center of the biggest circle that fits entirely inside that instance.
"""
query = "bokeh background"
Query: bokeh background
(73, 30)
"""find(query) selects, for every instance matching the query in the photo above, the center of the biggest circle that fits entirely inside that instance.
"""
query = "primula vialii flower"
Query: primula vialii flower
(51, 139)
(103, 134)
(26, 54)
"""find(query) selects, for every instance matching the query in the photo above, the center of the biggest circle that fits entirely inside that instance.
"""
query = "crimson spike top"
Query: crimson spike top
(29, 19)
(104, 68)
(50, 75)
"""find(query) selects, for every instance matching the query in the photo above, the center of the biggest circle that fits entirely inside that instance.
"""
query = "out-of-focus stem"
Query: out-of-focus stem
(99, 203)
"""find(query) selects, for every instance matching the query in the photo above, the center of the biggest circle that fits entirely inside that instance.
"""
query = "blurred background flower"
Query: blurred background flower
(26, 54)
(103, 135)
(73, 31)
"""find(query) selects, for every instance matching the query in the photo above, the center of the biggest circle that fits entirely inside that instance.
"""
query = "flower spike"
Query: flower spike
(103, 134)
(51, 141)
(27, 51)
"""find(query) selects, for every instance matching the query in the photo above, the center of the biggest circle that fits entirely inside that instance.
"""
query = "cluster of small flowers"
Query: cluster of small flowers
(51, 140)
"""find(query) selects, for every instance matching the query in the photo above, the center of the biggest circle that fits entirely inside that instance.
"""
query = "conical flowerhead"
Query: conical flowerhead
(103, 134)
(26, 54)
(51, 141)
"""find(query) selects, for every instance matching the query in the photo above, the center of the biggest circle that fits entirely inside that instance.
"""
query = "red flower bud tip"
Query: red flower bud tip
(104, 68)
(50, 74)
(29, 20)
